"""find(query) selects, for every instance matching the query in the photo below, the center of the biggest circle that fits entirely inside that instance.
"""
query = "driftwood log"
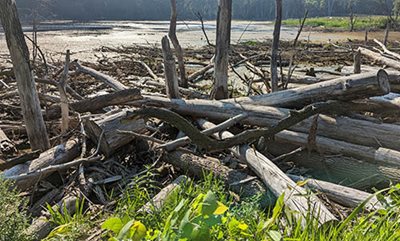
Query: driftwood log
(235, 180)
(345, 196)
(336, 168)
(379, 58)
(278, 182)
(57, 155)
(344, 88)
(380, 156)
(104, 129)
(99, 102)
(340, 128)
(158, 201)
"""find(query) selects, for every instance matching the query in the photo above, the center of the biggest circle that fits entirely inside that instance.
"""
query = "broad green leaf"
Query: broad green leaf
(275, 235)
(113, 224)
(209, 204)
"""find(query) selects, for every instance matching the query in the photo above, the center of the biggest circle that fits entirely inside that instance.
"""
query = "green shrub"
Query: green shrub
(13, 218)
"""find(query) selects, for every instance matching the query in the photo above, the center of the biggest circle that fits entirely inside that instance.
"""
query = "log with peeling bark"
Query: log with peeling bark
(99, 102)
(379, 58)
(344, 88)
(280, 184)
(345, 196)
(336, 168)
(157, 202)
(235, 180)
(57, 155)
(104, 129)
(340, 127)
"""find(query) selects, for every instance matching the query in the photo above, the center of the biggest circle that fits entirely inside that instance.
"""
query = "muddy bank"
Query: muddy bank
(84, 38)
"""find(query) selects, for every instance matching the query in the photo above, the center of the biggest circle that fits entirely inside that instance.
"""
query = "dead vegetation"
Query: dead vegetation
(329, 124)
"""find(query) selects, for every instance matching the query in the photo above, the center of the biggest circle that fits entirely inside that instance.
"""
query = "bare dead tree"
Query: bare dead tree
(18, 48)
(302, 23)
(275, 46)
(177, 46)
(353, 19)
(220, 90)
(200, 17)
(171, 81)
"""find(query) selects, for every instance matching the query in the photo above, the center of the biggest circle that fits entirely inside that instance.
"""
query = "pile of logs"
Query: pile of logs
(329, 135)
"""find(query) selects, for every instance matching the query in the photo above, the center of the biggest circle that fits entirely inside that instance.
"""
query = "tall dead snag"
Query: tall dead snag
(30, 104)
(357, 62)
(220, 90)
(177, 46)
(171, 81)
(275, 45)
(62, 87)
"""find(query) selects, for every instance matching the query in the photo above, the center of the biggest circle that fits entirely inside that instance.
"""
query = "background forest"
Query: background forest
(160, 10)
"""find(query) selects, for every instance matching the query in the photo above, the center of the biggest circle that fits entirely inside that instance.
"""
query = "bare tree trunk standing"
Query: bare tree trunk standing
(224, 19)
(275, 46)
(177, 46)
(357, 62)
(386, 37)
(31, 110)
(171, 81)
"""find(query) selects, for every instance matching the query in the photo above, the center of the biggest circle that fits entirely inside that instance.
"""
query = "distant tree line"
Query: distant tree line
(187, 9)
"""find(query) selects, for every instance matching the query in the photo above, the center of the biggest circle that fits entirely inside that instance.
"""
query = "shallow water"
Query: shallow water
(82, 38)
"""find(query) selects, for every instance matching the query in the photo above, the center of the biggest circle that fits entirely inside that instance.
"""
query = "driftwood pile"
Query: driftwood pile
(126, 111)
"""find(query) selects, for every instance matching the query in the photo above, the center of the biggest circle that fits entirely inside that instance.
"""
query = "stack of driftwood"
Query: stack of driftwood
(340, 128)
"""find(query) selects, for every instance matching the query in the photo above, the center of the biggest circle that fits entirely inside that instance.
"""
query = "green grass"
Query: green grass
(184, 216)
(342, 23)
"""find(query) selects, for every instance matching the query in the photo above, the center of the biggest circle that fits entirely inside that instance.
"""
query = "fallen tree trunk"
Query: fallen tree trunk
(4, 165)
(104, 129)
(57, 155)
(158, 201)
(197, 166)
(344, 88)
(113, 83)
(380, 156)
(379, 58)
(279, 183)
(99, 102)
(345, 196)
(340, 128)
(336, 168)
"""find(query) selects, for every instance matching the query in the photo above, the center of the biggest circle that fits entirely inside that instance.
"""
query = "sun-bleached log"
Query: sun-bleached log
(56, 155)
(277, 181)
(104, 129)
(344, 88)
(340, 127)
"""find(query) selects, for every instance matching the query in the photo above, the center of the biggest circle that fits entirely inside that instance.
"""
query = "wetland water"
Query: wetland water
(82, 38)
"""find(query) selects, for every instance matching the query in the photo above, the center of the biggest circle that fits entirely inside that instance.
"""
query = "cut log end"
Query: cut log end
(383, 81)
